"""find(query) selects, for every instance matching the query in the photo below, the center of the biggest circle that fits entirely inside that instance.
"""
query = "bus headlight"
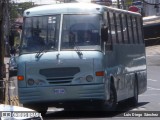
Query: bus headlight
(89, 78)
(30, 81)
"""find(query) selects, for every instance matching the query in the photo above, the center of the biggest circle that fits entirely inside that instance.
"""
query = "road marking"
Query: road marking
(150, 88)
(54, 109)
(152, 55)
(152, 80)
(149, 95)
(139, 108)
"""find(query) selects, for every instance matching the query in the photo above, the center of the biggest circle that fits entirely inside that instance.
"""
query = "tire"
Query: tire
(111, 104)
(134, 100)
(68, 109)
(77, 108)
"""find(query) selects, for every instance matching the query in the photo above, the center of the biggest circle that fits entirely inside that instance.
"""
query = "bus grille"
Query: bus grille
(59, 80)
(59, 75)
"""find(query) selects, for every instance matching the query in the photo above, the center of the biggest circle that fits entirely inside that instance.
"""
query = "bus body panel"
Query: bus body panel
(123, 63)
(65, 77)
(61, 94)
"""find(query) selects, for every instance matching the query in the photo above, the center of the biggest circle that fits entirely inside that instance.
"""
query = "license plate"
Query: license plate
(59, 91)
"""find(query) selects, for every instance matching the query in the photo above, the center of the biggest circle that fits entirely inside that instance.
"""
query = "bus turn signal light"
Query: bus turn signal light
(20, 77)
(100, 73)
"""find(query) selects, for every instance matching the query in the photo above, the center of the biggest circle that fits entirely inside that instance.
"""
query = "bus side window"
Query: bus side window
(118, 25)
(112, 28)
(106, 31)
(136, 39)
(124, 29)
(130, 30)
(139, 21)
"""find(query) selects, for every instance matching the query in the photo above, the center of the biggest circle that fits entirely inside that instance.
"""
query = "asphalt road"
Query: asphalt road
(148, 102)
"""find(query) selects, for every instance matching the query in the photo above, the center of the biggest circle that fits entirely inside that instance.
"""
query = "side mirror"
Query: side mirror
(11, 39)
(12, 51)
(20, 27)
(104, 34)
(106, 43)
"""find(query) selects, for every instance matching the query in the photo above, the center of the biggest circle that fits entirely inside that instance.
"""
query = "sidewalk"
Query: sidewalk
(10, 97)
(153, 50)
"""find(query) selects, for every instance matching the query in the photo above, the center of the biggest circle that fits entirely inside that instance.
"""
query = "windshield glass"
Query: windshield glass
(40, 32)
(82, 31)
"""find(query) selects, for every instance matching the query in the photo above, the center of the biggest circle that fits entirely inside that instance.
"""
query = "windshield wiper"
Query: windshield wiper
(78, 49)
(39, 53)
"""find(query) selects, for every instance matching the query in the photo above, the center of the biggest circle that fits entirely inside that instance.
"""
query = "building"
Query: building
(151, 7)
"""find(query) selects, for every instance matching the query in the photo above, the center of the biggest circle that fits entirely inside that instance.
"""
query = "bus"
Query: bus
(91, 56)
(151, 26)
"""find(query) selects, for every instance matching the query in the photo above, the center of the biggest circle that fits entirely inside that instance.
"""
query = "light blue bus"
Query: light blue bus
(80, 54)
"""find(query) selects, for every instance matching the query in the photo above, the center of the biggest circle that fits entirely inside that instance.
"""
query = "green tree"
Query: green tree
(23, 6)
(3, 6)
(13, 11)
(17, 9)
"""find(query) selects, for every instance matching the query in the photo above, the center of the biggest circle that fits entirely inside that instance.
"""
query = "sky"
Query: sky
(43, 1)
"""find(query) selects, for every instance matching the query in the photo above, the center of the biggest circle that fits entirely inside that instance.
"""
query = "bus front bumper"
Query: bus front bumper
(62, 94)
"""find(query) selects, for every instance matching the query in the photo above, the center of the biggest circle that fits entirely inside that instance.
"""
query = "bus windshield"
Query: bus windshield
(42, 33)
(82, 31)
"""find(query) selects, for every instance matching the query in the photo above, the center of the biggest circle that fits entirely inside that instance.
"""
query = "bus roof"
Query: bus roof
(70, 8)
(64, 8)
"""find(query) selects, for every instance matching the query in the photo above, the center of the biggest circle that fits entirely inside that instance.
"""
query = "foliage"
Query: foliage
(25, 5)
(17, 9)
(13, 11)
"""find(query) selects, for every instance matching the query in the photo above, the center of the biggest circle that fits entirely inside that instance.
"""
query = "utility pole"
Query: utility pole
(118, 4)
(2, 86)
(157, 7)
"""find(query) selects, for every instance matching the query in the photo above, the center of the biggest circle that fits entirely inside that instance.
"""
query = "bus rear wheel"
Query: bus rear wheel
(134, 100)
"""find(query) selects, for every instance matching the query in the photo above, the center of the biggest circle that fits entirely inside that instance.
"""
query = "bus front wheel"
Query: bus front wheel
(111, 104)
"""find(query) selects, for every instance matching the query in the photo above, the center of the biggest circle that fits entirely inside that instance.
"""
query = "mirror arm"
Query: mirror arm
(104, 47)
